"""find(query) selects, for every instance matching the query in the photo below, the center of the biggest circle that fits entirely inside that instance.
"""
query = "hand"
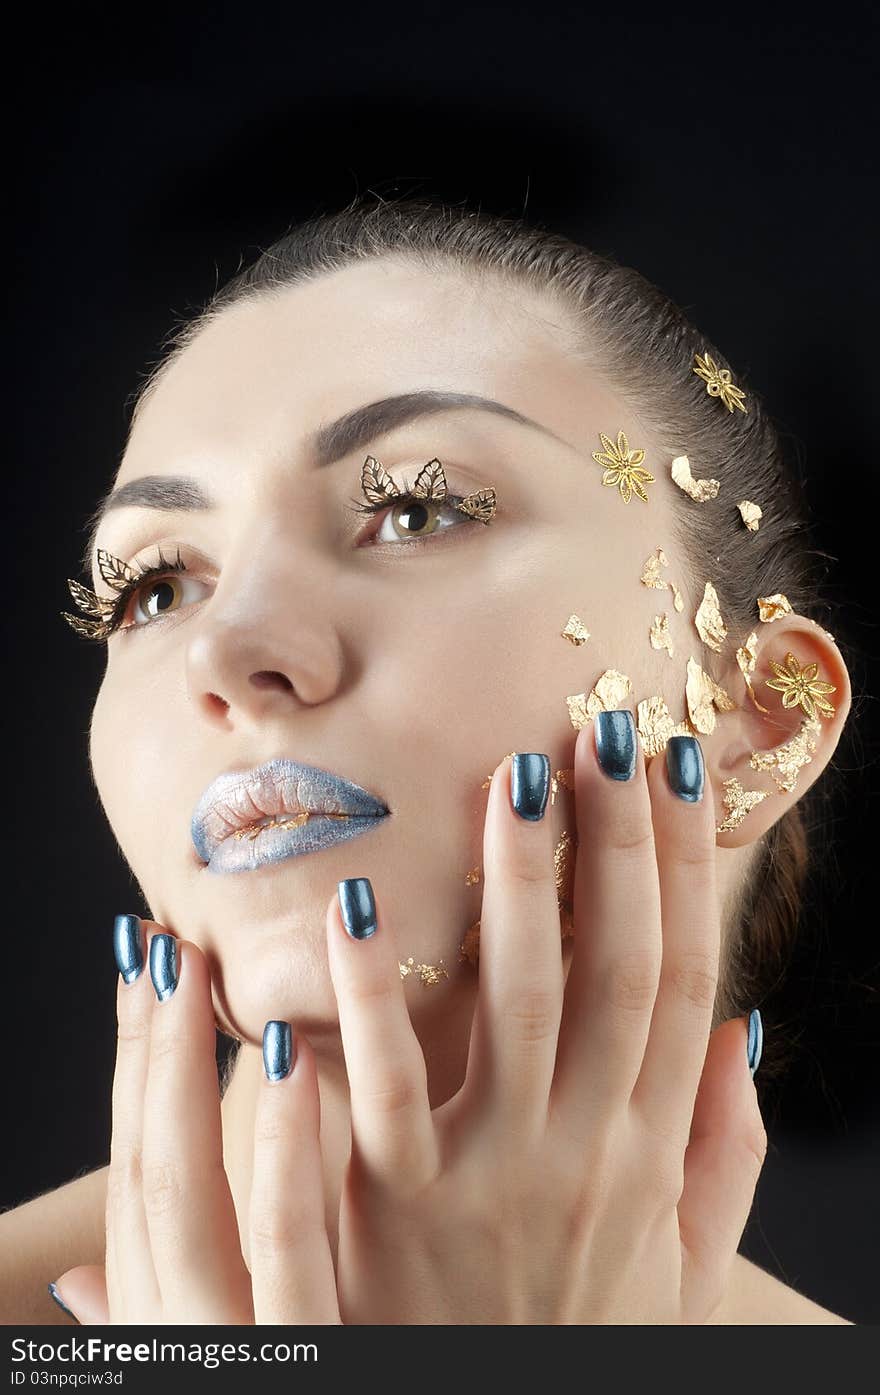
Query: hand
(173, 1251)
(599, 1162)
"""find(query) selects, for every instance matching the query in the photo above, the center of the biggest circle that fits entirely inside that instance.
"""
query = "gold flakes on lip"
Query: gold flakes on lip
(786, 762)
(253, 830)
(472, 877)
(719, 382)
(699, 490)
(655, 725)
(660, 636)
(751, 514)
(430, 974)
(610, 691)
(773, 607)
(747, 657)
(575, 630)
(710, 626)
(738, 802)
(801, 687)
(624, 467)
(703, 696)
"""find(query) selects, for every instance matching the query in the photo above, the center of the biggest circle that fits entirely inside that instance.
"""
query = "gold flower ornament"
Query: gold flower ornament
(800, 687)
(624, 467)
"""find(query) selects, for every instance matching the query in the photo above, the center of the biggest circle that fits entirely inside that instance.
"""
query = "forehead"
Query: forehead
(265, 373)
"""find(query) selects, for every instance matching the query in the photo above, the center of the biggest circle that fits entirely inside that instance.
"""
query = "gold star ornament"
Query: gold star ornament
(624, 467)
(718, 382)
(800, 687)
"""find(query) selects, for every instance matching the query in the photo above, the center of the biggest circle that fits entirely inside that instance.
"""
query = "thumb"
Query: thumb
(83, 1292)
(722, 1164)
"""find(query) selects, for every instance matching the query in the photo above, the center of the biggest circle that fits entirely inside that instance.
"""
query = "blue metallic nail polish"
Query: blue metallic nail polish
(277, 1050)
(358, 907)
(616, 743)
(529, 784)
(128, 946)
(163, 965)
(685, 768)
(756, 1040)
(61, 1303)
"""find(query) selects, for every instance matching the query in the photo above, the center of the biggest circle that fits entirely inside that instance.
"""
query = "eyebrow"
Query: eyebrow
(328, 444)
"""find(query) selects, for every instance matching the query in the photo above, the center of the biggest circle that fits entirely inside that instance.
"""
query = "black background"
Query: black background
(728, 154)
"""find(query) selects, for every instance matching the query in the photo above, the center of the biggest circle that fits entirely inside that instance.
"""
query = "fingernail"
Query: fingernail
(277, 1050)
(616, 743)
(684, 765)
(756, 1040)
(163, 965)
(358, 907)
(529, 784)
(61, 1303)
(128, 946)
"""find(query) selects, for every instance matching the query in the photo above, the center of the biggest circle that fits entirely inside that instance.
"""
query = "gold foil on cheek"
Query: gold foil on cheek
(651, 570)
(703, 696)
(746, 657)
(677, 597)
(738, 802)
(655, 725)
(751, 514)
(469, 949)
(472, 877)
(563, 779)
(575, 630)
(610, 691)
(773, 607)
(430, 974)
(660, 636)
(786, 762)
(710, 626)
(563, 868)
(700, 490)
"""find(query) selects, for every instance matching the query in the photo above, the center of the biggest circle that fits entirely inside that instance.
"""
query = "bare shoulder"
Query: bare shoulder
(43, 1237)
(756, 1297)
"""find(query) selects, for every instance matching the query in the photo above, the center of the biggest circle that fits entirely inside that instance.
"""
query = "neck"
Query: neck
(442, 1023)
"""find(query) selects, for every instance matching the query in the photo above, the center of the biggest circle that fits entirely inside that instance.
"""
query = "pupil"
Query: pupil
(416, 516)
(165, 601)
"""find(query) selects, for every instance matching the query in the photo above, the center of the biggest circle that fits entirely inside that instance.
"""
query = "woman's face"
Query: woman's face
(408, 667)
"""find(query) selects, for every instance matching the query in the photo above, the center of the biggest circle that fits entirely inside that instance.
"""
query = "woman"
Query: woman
(476, 618)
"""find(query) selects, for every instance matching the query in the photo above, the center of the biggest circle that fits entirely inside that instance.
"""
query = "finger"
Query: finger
(190, 1212)
(684, 834)
(83, 1291)
(615, 963)
(131, 1285)
(393, 1134)
(515, 1031)
(722, 1165)
(292, 1273)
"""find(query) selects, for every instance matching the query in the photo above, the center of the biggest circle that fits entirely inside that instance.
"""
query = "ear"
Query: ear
(747, 732)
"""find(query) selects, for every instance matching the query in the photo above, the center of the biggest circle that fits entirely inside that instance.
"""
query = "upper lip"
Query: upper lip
(239, 798)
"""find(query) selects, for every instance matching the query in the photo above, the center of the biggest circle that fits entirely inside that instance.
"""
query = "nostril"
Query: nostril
(270, 678)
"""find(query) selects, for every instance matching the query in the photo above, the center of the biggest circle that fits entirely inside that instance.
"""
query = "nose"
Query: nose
(266, 642)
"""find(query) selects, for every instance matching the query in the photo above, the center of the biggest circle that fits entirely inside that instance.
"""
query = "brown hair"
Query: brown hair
(634, 336)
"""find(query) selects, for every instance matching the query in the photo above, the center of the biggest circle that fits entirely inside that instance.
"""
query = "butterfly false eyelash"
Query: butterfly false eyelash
(378, 487)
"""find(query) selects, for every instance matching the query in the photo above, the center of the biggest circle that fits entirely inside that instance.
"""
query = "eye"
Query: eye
(158, 596)
(410, 519)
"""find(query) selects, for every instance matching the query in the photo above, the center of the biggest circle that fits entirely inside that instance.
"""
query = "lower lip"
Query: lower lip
(277, 844)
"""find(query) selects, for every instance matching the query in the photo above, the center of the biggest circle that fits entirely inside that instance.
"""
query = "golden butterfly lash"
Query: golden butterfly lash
(103, 615)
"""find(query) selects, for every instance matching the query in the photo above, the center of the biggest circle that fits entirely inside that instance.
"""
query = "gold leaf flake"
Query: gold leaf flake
(651, 570)
(746, 657)
(563, 779)
(469, 949)
(710, 626)
(654, 724)
(751, 514)
(738, 802)
(575, 630)
(677, 597)
(660, 636)
(430, 974)
(703, 696)
(786, 762)
(610, 691)
(563, 866)
(472, 877)
(700, 490)
(773, 607)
